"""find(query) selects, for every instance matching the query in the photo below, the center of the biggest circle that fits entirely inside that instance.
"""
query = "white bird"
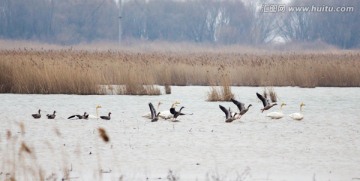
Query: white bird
(277, 115)
(97, 113)
(298, 116)
(166, 114)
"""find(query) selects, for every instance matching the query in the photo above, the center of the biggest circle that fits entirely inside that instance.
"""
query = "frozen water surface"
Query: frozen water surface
(325, 145)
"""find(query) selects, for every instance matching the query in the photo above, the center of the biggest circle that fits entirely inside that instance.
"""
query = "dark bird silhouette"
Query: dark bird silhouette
(37, 116)
(154, 116)
(106, 117)
(228, 117)
(51, 116)
(241, 106)
(176, 113)
(265, 102)
(85, 116)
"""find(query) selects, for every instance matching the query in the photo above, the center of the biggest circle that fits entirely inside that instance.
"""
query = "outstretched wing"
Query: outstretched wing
(152, 110)
(263, 100)
(240, 105)
(227, 113)
(71, 116)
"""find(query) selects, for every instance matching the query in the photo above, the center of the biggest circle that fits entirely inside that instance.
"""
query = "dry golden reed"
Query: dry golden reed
(224, 92)
(25, 148)
(269, 92)
(68, 71)
(167, 88)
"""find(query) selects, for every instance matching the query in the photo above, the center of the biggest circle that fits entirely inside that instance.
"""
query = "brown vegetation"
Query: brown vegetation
(167, 89)
(224, 92)
(103, 135)
(270, 92)
(81, 72)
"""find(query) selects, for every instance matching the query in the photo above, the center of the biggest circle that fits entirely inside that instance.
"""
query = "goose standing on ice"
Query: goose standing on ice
(241, 106)
(85, 116)
(106, 117)
(228, 116)
(154, 115)
(298, 116)
(37, 116)
(51, 116)
(265, 102)
(277, 115)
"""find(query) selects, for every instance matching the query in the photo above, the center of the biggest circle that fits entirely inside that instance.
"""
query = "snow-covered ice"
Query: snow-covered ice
(325, 145)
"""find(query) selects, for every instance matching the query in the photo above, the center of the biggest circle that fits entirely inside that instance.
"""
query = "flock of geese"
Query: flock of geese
(229, 115)
(76, 116)
(173, 114)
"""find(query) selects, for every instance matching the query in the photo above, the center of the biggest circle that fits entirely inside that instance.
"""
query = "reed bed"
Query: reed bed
(68, 71)
(269, 92)
(222, 93)
(167, 88)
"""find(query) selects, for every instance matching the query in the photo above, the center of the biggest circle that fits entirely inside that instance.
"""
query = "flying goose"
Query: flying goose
(154, 116)
(37, 116)
(228, 117)
(241, 106)
(85, 116)
(51, 116)
(176, 113)
(265, 102)
(106, 117)
(149, 115)
(277, 115)
(298, 116)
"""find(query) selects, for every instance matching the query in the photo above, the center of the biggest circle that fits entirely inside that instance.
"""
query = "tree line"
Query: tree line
(203, 21)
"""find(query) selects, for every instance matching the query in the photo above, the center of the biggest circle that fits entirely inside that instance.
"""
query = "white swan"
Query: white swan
(298, 116)
(277, 115)
(97, 113)
(166, 114)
